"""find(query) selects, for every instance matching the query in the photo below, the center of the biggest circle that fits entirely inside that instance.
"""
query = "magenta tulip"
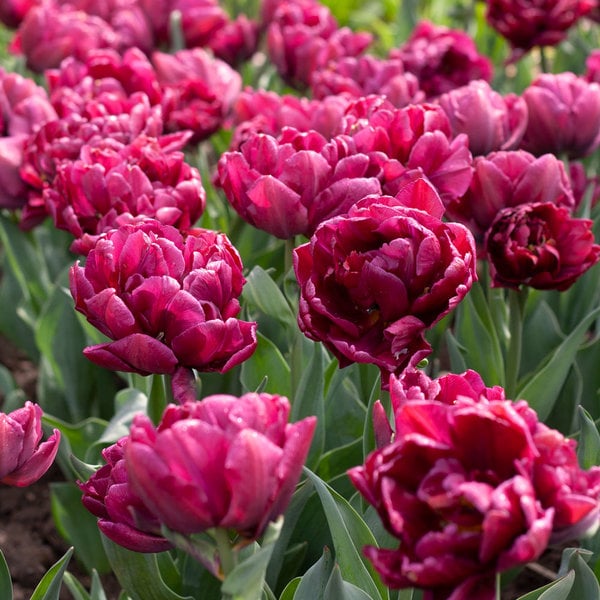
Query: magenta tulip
(442, 58)
(564, 115)
(374, 280)
(23, 459)
(492, 122)
(541, 246)
(223, 462)
(167, 301)
(288, 186)
(122, 516)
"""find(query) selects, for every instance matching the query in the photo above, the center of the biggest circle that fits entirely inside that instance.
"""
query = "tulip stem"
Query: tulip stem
(516, 307)
(157, 401)
(226, 554)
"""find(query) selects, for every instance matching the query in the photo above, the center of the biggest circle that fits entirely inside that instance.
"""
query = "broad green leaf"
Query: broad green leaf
(544, 387)
(586, 585)
(338, 589)
(268, 361)
(456, 353)
(263, 293)
(49, 587)
(292, 516)
(313, 583)
(338, 461)
(350, 534)
(557, 590)
(289, 592)
(76, 524)
(6, 589)
(476, 334)
(26, 263)
(139, 574)
(308, 400)
(247, 579)
(588, 449)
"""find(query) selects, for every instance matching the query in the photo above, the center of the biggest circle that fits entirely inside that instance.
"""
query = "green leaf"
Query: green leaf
(26, 263)
(139, 574)
(75, 523)
(268, 361)
(586, 585)
(49, 587)
(79, 592)
(314, 581)
(588, 449)
(557, 590)
(6, 589)
(289, 592)
(308, 400)
(476, 334)
(350, 534)
(247, 579)
(338, 589)
(542, 390)
(263, 293)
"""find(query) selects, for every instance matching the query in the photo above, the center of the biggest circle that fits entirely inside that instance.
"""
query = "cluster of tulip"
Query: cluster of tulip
(412, 216)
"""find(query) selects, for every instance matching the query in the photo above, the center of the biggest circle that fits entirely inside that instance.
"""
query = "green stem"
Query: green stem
(543, 60)
(157, 400)
(516, 307)
(498, 587)
(226, 554)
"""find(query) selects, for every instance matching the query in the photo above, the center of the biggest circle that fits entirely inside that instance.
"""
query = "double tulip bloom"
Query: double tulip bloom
(564, 115)
(23, 459)
(541, 246)
(288, 185)
(223, 462)
(442, 58)
(374, 280)
(471, 484)
(168, 301)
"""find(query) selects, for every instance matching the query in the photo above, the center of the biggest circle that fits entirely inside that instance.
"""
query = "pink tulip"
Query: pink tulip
(23, 459)
(167, 301)
(122, 516)
(222, 462)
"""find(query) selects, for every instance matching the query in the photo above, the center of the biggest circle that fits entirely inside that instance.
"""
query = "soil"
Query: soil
(31, 543)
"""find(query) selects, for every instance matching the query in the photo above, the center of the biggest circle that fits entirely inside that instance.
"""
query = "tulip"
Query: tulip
(374, 280)
(122, 516)
(12, 12)
(527, 23)
(539, 245)
(23, 459)
(113, 184)
(450, 489)
(288, 187)
(236, 41)
(223, 462)
(303, 36)
(564, 115)
(198, 90)
(364, 75)
(418, 141)
(50, 33)
(492, 122)
(508, 179)
(442, 59)
(166, 300)
(262, 111)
